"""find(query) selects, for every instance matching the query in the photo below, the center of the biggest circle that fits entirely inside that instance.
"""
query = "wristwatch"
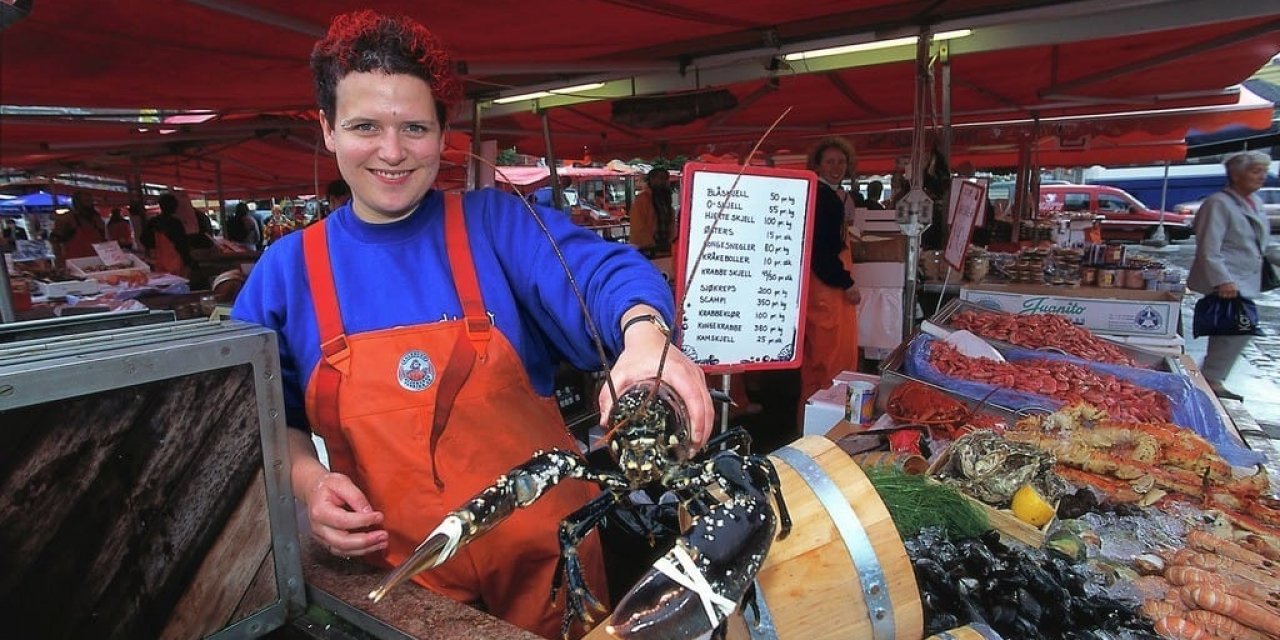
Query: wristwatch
(648, 317)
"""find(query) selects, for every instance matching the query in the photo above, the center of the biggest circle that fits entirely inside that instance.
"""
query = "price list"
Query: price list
(744, 263)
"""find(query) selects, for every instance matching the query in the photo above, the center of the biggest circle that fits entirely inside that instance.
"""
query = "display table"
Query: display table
(341, 587)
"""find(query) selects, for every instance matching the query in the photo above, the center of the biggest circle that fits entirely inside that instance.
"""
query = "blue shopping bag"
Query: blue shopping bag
(1216, 316)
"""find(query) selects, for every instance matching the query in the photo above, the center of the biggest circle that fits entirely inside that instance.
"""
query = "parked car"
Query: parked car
(1123, 214)
(1270, 205)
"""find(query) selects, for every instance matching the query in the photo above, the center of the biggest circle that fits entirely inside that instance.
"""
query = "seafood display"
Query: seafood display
(989, 467)
(1064, 381)
(1038, 331)
(1018, 591)
(708, 572)
(1214, 588)
(913, 403)
(1150, 463)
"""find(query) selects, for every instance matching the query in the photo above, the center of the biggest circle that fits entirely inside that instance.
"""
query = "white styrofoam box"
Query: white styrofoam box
(880, 274)
(88, 267)
(66, 288)
(876, 221)
(849, 376)
(1174, 346)
(1127, 312)
(824, 409)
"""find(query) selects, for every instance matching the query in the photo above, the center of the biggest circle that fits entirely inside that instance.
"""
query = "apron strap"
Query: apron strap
(333, 340)
(462, 360)
(479, 327)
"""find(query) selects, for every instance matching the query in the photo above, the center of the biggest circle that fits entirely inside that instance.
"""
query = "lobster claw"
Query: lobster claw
(439, 545)
(692, 589)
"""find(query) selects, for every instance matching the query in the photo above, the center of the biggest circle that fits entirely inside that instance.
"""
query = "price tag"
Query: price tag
(742, 265)
(971, 199)
(112, 255)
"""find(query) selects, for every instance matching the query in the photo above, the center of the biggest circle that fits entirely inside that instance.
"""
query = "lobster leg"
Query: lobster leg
(519, 488)
(736, 439)
(569, 568)
(764, 467)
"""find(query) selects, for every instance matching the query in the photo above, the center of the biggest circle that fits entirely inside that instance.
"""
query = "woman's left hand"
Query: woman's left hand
(644, 345)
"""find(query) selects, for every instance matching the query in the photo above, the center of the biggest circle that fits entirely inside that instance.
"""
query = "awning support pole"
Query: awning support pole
(915, 210)
(557, 193)
(222, 198)
(473, 164)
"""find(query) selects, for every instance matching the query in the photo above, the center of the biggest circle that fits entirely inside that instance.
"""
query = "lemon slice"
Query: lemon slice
(1030, 507)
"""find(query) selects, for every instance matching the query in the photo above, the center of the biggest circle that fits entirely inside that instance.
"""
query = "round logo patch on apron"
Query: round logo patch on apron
(415, 372)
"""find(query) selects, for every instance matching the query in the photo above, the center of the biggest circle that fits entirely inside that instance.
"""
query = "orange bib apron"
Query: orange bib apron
(80, 244)
(830, 328)
(382, 399)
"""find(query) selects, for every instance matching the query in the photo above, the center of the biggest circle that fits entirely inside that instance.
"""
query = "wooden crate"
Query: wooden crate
(146, 478)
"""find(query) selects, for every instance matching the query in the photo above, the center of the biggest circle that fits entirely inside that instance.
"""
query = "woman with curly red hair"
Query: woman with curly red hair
(421, 344)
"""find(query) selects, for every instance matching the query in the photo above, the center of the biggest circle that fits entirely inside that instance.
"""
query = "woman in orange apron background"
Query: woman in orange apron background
(831, 314)
(75, 232)
(420, 333)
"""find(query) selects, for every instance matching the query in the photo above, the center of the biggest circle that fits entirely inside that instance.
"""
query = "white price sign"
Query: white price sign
(111, 254)
(742, 265)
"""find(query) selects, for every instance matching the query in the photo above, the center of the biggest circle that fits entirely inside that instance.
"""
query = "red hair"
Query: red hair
(365, 41)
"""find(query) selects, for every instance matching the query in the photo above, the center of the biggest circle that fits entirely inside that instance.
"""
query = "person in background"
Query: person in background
(831, 321)
(456, 324)
(875, 194)
(119, 229)
(11, 233)
(166, 239)
(1232, 240)
(242, 227)
(277, 225)
(651, 215)
(338, 193)
(75, 233)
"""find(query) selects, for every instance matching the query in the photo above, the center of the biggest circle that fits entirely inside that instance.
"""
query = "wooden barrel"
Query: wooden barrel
(843, 572)
(973, 631)
(909, 463)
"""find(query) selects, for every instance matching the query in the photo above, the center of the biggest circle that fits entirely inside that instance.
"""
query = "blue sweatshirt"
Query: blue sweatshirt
(398, 274)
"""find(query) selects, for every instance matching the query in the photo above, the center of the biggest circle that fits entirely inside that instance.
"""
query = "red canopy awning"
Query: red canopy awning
(247, 61)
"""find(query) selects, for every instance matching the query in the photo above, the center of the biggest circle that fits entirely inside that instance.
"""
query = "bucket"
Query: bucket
(908, 463)
(843, 572)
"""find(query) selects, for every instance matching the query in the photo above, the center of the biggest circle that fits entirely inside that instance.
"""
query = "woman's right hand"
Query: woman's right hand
(853, 295)
(1226, 290)
(342, 518)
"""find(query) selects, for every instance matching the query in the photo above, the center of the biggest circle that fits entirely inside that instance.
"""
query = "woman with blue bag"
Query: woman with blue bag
(1232, 238)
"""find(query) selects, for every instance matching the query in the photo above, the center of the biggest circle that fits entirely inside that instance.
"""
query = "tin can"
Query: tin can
(1088, 276)
(1133, 279)
(1107, 278)
(861, 405)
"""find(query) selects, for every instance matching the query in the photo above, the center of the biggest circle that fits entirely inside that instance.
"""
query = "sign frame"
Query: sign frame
(798, 270)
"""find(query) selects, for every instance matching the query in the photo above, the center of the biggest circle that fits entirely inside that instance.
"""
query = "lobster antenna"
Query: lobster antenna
(564, 264)
(746, 162)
